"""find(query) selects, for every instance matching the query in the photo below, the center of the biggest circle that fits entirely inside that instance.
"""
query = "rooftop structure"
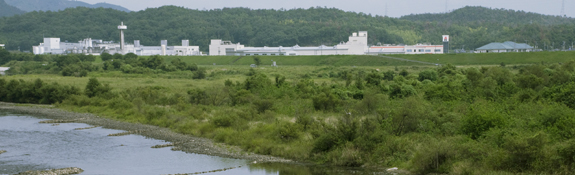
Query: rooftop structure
(2, 45)
(507, 46)
(122, 27)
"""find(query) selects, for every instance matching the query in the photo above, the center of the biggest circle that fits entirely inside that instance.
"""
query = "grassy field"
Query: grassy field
(367, 60)
(494, 58)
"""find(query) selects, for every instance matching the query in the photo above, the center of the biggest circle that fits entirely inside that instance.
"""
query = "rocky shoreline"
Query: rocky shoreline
(185, 143)
(63, 171)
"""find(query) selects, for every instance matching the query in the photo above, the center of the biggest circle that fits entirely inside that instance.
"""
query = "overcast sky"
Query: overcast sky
(395, 8)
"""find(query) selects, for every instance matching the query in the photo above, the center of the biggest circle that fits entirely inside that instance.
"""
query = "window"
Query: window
(428, 50)
(420, 50)
(292, 54)
(409, 50)
(256, 54)
(281, 54)
(273, 54)
(247, 54)
(437, 50)
(265, 54)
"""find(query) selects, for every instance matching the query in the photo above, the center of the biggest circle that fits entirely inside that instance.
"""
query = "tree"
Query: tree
(257, 61)
(106, 56)
(94, 88)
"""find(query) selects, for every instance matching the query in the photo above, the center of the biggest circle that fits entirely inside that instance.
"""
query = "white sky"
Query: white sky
(395, 8)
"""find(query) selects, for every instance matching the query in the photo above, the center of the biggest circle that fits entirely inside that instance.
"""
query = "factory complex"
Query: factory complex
(356, 45)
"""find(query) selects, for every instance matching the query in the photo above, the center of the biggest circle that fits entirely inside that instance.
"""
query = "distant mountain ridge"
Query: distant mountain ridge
(55, 5)
(478, 14)
(8, 10)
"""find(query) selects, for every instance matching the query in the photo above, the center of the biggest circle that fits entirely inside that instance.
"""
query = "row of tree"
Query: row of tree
(313, 26)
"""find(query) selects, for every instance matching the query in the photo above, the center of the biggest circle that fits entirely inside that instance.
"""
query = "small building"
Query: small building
(508, 46)
(3, 70)
(2, 46)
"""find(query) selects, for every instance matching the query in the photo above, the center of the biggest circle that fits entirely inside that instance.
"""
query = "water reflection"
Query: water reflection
(301, 169)
(35, 146)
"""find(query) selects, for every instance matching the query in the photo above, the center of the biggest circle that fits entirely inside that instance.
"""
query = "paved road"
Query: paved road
(401, 59)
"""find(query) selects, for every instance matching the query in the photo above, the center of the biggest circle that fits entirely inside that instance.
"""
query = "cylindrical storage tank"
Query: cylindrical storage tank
(36, 50)
(41, 50)
(164, 50)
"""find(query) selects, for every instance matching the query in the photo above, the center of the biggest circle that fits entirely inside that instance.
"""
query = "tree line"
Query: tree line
(470, 27)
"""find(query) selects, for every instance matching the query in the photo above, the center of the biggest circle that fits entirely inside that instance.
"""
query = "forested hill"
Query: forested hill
(8, 10)
(55, 5)
(252, 27)
(481, 15)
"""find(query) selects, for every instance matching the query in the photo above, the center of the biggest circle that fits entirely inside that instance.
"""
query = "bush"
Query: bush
(262, 105)
(200, 74)
(481, 118)
(94, 88)
(389, 75)
(287, 131)
(326, 101)
(224, 120)
(324, 143)
(427, 75)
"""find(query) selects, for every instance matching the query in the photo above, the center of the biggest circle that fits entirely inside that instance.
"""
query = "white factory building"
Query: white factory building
(357, 45)
(406, 49)
(96, 47)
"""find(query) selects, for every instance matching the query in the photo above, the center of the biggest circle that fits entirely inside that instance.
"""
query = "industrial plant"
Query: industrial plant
(356, 45)
(96, 47)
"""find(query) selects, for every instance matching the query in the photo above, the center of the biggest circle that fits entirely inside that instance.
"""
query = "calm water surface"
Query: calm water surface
(35, 146)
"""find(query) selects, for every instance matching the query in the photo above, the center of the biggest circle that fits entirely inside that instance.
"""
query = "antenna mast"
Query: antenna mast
(446, 1)
(563, 9)
(386, 9)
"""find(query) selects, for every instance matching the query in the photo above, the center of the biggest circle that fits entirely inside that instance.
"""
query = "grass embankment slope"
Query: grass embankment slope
(493, 58)
(325, 60)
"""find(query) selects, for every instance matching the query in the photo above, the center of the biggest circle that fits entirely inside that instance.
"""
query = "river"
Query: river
(31, 145)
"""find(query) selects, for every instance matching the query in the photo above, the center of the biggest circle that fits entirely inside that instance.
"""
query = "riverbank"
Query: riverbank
(63, 171)
(185, 143)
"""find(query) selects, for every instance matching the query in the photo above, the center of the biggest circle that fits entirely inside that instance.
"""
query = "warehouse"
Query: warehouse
(508, 46)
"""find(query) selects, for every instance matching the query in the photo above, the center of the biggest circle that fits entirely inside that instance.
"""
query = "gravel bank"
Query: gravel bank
(186, 143)
(63, 171)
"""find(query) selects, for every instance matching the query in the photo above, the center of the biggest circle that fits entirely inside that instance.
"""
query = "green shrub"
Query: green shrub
(262, 105)
(94, 88)
(287, 131)
(480, 118)
(199, 74)
(427, 75)
(224, 120)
